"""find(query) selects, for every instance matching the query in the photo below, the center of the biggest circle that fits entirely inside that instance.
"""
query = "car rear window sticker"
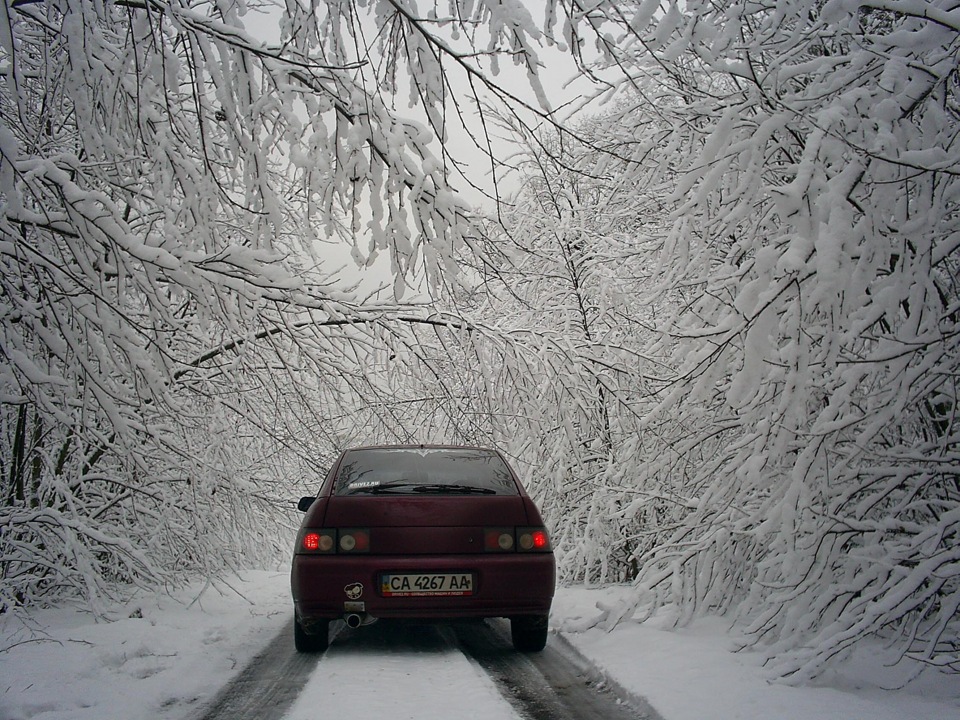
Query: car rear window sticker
(360, 484)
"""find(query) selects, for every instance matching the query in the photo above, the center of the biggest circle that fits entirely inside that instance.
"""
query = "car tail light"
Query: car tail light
(354, 541)
(498, 539)
(533, 539)
(328, 541)
(521, 539)
(317, 541)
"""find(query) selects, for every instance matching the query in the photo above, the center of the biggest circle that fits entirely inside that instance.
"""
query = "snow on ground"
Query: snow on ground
(692, 674)
(418, 683)
(156, 659)
(162, 658)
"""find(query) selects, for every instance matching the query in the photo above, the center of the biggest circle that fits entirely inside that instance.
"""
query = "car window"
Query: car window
(424, 471)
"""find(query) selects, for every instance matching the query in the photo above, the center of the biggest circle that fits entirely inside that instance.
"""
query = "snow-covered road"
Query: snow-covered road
(404, 670)
(383, 671)
(268, 685)
(168, 658)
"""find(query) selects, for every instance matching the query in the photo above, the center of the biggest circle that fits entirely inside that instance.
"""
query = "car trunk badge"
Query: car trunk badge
(354, 590)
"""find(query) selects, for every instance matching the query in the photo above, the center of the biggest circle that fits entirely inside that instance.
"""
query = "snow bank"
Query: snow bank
(163, 658)
(158, 658)
(694, 673)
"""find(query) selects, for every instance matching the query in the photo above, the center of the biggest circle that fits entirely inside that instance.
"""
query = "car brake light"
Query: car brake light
(522, 539)
(533, 540)
(317, 541)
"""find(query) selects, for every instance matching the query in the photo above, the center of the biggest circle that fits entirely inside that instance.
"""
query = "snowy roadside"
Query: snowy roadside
(160, 658)
(692, 673)
(163, 659)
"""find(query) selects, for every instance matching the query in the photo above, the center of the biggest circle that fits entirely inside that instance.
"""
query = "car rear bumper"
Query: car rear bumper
(327, 587)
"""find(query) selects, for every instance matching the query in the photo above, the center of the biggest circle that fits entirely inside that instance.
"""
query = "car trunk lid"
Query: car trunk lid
(426, 524)
(425, 511)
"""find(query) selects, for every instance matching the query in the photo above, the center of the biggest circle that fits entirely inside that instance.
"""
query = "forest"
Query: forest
(708, 308)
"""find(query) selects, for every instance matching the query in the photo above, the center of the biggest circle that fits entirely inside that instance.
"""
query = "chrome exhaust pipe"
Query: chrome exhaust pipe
(353, 620)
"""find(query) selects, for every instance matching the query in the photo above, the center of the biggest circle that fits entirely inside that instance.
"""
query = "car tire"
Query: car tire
(314, 642)
(529, 633)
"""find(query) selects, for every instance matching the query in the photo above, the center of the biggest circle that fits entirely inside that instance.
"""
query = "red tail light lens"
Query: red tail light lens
(521, 539)
(330, 541)
(533, 539)
(317, 541)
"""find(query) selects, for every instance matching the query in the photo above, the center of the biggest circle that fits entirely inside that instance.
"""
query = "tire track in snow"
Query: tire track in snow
(267, 686)
(556, 684)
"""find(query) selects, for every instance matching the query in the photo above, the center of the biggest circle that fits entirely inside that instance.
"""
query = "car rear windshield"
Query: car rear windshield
(424, 471)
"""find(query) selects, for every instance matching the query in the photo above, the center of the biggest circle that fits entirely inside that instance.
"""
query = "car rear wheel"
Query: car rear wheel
(314, 642)
(529, 633)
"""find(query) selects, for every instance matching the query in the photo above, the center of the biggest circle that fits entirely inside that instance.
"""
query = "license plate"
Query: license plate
(434, 584)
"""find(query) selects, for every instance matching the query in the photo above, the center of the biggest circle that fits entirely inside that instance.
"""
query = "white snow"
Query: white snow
(693, 673)
(163, 658)
(400, 683)
(160, 657)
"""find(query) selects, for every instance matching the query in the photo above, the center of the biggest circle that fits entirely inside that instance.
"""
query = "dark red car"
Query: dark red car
(421, 532)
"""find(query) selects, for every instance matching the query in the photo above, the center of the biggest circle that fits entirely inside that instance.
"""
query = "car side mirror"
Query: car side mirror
(305, 503)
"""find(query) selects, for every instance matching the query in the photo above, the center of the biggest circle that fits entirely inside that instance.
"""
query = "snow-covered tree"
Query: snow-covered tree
(173, 314)
(770, 234)
(815, 241)
(565, 289)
